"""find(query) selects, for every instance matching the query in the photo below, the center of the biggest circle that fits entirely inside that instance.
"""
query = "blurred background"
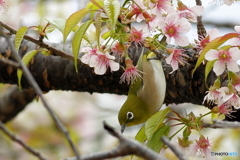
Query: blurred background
(84, 113)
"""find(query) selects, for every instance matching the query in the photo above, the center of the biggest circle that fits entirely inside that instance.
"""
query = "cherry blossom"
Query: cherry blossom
(189, 13)
(229, 96)
(137, 10)
(4, 4)
(161, 5)
(130, 73)
(236, 41)
(213, 95)
(86, 59)
(202, 147)
(100, 61)
(118, 49)
(176, 57)
(211, 34)
(173, 26)
(224, 59)
(184, 144)
(228, 2)
(224, 109)
(137, 35)
(141, 12)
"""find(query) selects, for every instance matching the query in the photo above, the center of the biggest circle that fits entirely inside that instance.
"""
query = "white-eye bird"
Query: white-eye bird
(146, 94)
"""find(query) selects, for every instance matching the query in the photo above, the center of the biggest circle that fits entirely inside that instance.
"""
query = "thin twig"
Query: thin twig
(126, 146)
(35, 86)
(222, 124)
(39, 43)
(175, 150)
(20, 142)
(200, 26)
(10, 62)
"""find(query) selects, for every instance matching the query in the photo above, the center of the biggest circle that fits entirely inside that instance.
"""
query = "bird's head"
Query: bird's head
(133, 112)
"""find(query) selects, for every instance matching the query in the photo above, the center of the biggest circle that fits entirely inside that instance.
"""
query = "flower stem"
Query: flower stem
(177, 132)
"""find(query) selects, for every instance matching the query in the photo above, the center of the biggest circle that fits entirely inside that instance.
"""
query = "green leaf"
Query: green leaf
(19, 37)
(73, 20)
(46, 52)
(214, 44)
(154, 122)
(26, 59)
(77, 40)
(106, 35)
(95, 4)
(155, 142)
(208, 68)
(141, 136)
(112, 9)
(59, 23)
(98, 25)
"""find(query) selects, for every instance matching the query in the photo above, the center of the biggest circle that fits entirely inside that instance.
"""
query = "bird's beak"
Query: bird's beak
(123, 127)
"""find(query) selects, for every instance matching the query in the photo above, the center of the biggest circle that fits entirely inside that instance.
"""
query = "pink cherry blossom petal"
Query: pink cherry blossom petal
(100, 69)
(237, 29)
(185, 25)
(232, 66)
(174, 63)
(107, 54)
(93, 61)
(218, 68)
(213, 33)
(198, 10)
(172, 18)
(85, 58)
(181, 40)
(211, 55)
(235, 53)
(114, 66)
(228, 2)
(235, 41)
(237, 87)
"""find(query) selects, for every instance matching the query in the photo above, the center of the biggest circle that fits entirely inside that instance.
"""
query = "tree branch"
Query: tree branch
(173, 148)
(10, 63)
(21, 143)
(53, 50)
(222, 124)
(56, 73)
(12, 101)
(126, 146)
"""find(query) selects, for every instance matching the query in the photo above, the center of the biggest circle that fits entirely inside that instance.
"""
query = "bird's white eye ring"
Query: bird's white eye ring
(130, 115)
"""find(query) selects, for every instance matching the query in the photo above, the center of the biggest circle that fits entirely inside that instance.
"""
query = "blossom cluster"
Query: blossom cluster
(224, 60)
(156, 17)
(161, 19)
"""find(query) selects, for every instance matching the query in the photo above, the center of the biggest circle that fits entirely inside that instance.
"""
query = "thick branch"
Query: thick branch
(12, 101)
(56, 73)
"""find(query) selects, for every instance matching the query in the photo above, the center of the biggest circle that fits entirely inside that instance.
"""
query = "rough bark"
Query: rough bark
(56, 73)
(12, 101)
